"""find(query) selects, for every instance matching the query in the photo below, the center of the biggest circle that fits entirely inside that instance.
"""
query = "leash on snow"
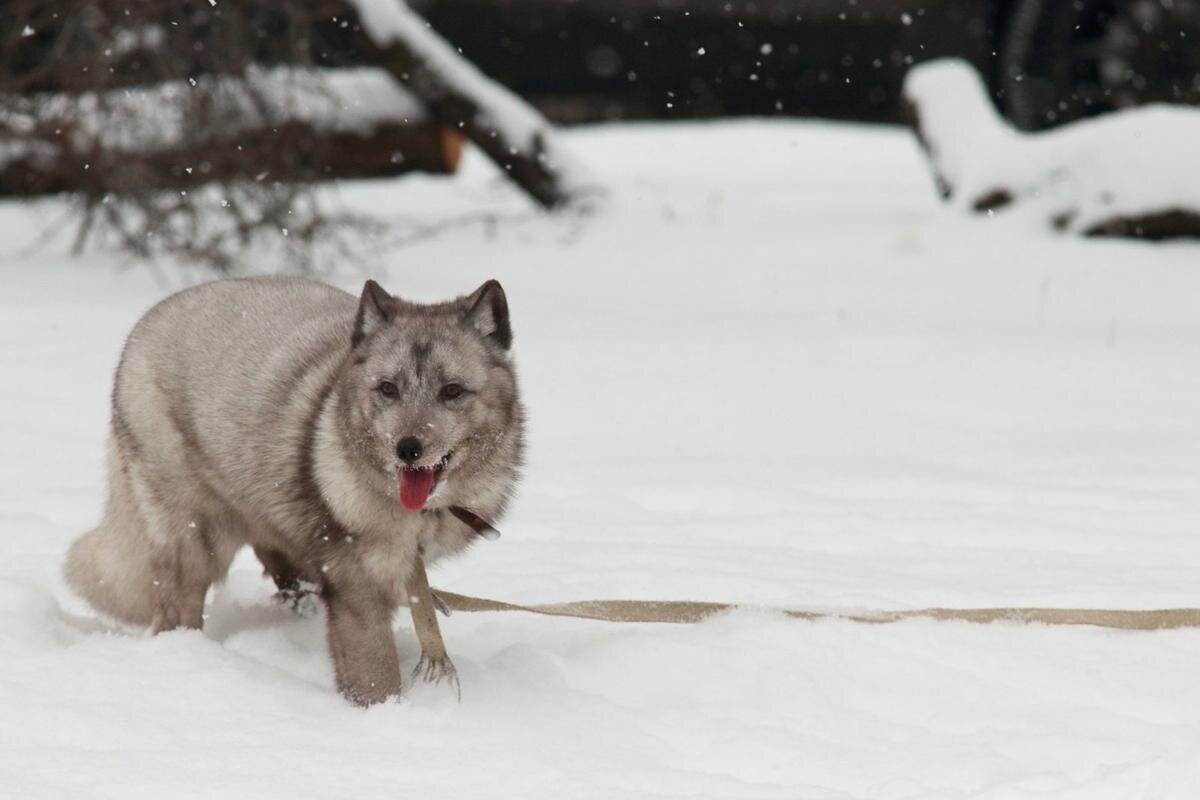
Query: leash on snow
(692, 611)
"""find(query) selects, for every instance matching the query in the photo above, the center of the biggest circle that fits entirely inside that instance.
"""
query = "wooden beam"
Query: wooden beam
(292, 152)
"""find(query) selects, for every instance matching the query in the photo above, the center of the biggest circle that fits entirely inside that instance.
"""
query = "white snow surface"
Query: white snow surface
(1131, 163)
(773, 369)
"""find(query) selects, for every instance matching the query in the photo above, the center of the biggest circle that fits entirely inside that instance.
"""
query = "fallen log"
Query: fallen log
(329, 33)
(515, 136)
(1127, 173)
(278, 125)
(292, 152)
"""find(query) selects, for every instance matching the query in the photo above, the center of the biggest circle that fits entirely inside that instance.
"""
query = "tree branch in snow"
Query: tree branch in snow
(224, 226)
(121, 103)
(1119, 174)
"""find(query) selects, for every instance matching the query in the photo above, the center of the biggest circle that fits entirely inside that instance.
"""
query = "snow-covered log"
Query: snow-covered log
(280, 124)
(507, 129)
(1128, 173)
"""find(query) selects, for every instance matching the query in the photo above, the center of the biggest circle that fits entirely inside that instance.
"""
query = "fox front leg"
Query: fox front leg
(434, 666)
(365, 661)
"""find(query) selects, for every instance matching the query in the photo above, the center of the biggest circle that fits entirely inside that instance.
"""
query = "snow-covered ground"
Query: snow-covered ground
(771, 370)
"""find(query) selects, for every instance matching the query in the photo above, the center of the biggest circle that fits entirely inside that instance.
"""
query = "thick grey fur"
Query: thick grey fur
(249, 412)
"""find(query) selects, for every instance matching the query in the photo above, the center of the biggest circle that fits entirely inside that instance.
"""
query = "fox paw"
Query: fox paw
(302, 599)
(435, 669)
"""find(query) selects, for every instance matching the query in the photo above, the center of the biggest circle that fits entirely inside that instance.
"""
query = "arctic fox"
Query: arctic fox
(347, 441)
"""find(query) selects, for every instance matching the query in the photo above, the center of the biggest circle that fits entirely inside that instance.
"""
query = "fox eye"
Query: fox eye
(451, 391)
(388, 389)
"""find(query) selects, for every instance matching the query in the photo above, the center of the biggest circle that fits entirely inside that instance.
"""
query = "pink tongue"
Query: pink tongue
(415, 486)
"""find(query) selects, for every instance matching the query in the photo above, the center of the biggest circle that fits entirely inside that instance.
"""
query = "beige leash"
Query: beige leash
(690, 611)
(686, 611)
(435, 666)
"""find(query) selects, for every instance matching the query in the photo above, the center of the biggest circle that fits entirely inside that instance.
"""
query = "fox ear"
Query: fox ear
(487, 309)
(375, 308)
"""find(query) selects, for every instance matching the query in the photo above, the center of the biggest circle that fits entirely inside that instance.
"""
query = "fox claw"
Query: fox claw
(439, 603)
(435, 669)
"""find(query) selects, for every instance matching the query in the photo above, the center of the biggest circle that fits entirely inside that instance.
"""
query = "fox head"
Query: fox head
(428, 396)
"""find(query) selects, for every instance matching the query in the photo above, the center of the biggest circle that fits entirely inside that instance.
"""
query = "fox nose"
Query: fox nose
(408, 449)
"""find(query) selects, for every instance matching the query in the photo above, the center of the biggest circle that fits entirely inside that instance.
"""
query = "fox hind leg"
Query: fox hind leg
(182, 571)
(150, 562)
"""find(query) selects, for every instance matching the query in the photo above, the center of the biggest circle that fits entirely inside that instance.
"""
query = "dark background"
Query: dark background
(1047, 61)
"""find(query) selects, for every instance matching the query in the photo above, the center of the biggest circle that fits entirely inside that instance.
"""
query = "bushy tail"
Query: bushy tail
(109, 566)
